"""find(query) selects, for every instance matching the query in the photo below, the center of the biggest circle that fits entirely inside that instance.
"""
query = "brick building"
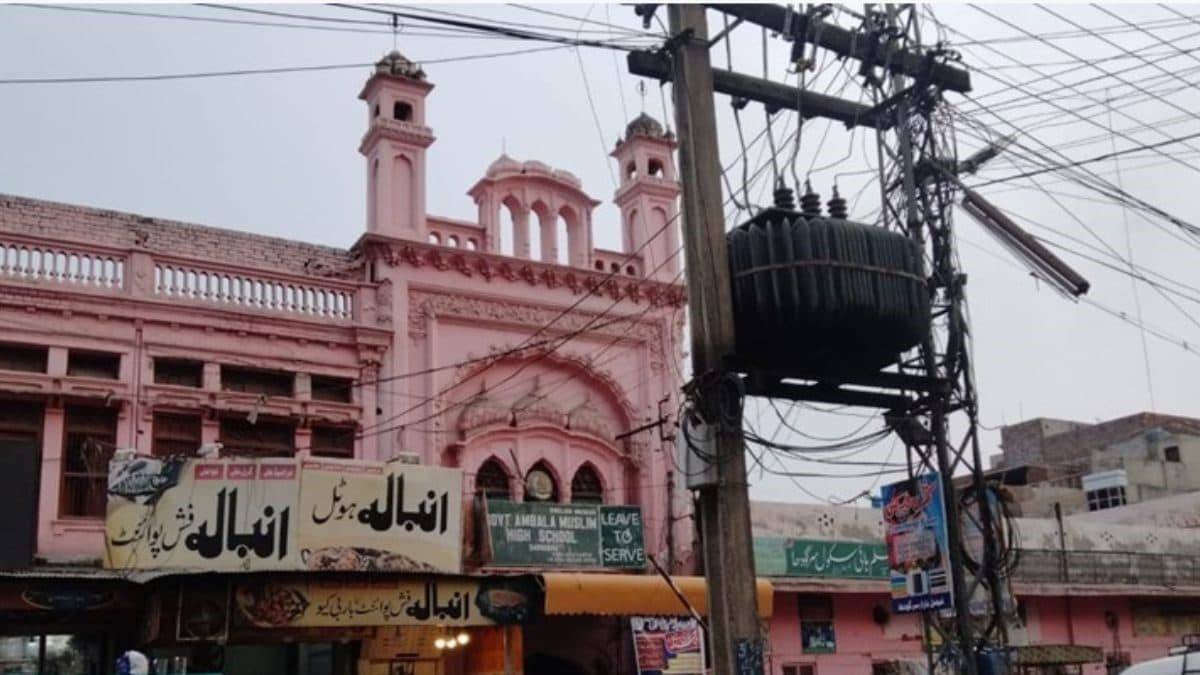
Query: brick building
(1082, 467)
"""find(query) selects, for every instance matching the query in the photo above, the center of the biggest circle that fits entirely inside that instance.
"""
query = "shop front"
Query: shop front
(601, 624)
(70, 623)
(310, 624)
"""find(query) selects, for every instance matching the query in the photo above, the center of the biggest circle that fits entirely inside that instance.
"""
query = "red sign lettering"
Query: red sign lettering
(210, 472)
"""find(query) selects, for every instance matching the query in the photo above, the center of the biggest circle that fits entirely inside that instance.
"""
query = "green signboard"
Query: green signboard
(815, 558)
(565, 535)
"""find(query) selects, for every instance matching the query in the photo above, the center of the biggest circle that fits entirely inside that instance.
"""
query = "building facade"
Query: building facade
(1091, 467)
(1115, 594)
(433, 341)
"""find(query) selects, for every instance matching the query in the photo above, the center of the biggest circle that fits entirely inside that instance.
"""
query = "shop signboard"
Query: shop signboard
(839, 559)
(282, 514)
(416, 601)
(778, 557)
(392, 517)
(668, 645)
(531, 534)
(915, 529)
(204, 514)
(770, 556)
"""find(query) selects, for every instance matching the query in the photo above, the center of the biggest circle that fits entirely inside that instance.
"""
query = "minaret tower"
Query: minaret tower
(394, 147)
(647, 197)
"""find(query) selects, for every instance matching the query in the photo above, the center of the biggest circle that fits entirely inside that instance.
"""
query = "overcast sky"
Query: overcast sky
(277, 154)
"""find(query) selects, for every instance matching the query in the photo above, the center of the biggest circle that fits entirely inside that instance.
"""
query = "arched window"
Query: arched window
(402, 111)
(540, 485)
(586, 487)
(492, 481)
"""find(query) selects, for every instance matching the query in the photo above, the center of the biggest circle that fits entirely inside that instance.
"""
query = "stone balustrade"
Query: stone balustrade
(255, 291)
(76, 268)
(56, 264)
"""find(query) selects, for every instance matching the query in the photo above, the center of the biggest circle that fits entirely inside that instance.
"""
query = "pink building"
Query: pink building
(423, 339)
(1122, 593)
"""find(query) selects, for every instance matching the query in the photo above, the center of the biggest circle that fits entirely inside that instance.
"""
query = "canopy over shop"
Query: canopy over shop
(635, 595)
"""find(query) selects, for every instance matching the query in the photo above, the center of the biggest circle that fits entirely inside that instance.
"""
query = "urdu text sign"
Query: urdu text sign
(208, 514)
(282, 514)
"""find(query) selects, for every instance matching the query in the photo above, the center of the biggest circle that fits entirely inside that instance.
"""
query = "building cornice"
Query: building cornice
(492, 267)
(394, 130)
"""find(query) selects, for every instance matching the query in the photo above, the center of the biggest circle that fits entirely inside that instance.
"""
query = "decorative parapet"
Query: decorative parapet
(490, 266)
(186, 280)
(58, 264)
(63, 266)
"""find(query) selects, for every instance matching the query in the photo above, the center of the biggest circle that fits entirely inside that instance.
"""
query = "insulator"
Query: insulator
(837, 205)
(784, 197)
(810, 203)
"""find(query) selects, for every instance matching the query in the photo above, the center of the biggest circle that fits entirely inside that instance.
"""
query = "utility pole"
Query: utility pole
(929, 394)
(734, 631)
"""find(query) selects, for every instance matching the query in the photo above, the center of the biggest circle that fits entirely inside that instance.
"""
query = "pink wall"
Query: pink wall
(1081, 620)
(399, 314)
(860, 641)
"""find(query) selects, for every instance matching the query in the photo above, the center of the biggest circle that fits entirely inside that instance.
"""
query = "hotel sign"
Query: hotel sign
(282, 514)
(533, 534)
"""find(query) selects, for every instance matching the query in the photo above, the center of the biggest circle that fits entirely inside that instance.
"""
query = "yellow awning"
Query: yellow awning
(634, 595)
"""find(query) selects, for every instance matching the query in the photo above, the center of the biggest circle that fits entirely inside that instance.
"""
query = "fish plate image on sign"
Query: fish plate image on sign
(219, 514)
(914, 517)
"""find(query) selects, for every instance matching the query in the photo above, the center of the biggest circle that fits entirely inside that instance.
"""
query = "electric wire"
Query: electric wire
(110, 79)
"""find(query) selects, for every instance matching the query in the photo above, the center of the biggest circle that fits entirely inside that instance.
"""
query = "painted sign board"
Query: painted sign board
(205, 514)
(533, 534)
(914, 517)
(392, 517)
(282, 514)
(778, 557)
(668, 645)
(413, 601)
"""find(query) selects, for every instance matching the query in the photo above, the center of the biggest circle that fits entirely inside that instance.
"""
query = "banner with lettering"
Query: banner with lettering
(395, 517)
(205, 514)
(667, 646)
(532, 534)
(283, 514)
(914, 517)
(401, 602)
(779, 557)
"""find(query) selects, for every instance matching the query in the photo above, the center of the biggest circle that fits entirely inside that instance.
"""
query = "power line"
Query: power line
(524, 25)
(594, 22)
(105, 79)
(1090, 160)
(1075, 114)
(208, 19)
(491, 28)
(1064, 35)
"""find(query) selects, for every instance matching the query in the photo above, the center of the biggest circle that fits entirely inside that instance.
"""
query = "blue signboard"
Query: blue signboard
(914, 517)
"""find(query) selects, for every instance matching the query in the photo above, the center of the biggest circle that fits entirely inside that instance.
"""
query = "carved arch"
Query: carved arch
(588, 484)
(493, 476)
(603, 380)
(555, 476)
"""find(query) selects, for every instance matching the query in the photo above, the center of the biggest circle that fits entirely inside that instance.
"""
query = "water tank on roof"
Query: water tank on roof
(820, 295)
